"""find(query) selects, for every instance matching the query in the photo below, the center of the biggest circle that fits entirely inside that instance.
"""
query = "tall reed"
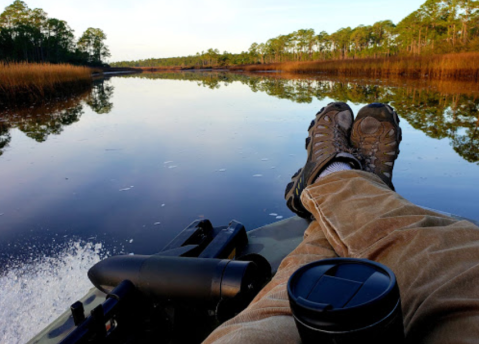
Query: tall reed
(461, 66)
(33, 81)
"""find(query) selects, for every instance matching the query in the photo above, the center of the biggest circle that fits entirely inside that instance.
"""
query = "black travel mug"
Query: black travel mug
(346, 300)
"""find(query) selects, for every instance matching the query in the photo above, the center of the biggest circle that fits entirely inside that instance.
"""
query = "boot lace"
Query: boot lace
(368, 156)
(340, 142)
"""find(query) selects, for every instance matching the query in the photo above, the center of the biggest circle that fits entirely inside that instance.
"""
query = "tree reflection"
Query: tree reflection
(99, 98)
(50, 118)
(40, 128)
(449, 111)
(466, 142)
(4, 137)
(442, 110)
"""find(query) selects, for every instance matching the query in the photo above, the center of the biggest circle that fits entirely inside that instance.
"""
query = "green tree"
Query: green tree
(341, 42)
(382, 34)
(29, 35)
(361, 38)
(16, 14)
(437, 26)
(323, 42)
(92, 42)
(469, 15)
(253, 52)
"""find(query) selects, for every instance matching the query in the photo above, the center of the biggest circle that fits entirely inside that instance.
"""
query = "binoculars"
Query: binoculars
(199, 280)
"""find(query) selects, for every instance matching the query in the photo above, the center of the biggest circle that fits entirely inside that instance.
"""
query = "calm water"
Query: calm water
(135, 161)
(125, 167)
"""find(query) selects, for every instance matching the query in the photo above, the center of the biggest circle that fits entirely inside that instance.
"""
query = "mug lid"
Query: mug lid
(342, 294)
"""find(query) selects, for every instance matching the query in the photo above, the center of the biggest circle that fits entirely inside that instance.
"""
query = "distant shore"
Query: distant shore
(31, 82)
(459, 66)
(114, 70)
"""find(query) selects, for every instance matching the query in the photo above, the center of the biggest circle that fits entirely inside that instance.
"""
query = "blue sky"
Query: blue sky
(157, 28)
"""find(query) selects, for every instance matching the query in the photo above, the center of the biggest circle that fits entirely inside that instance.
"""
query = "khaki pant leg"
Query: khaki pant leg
(268, 318)
(435, 258)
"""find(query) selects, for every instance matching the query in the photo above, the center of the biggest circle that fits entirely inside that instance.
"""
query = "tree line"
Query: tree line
(437, 27)
(29, 35)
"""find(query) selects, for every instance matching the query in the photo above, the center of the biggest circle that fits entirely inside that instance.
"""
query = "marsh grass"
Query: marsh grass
(27, 82)
(460, 66)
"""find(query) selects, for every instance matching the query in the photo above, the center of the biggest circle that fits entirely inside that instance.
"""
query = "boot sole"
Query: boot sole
(289, 195)
(396, 120)
(292, 193)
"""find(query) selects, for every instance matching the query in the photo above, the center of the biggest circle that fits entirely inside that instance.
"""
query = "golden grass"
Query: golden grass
(260, 67)
(460, 66)
(33, 81)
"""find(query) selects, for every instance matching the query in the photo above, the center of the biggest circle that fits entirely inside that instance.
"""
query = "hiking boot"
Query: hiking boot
(328, 139)
(376, 136)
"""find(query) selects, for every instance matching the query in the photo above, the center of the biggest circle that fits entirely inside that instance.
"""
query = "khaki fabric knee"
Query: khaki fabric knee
(435, 257)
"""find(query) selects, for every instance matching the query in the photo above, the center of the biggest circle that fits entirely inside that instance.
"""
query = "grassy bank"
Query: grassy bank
(462, 66)
(21, 82)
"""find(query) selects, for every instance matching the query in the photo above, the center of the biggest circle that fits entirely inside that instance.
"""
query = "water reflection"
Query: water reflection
(99, 98)
(40, 121)
(164, 152)
(439, 109)
(455, 117)
(5, 137)
(438, 113)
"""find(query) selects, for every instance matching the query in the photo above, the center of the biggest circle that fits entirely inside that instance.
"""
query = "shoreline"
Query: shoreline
(457, 66)
(27, 83)
(34, 82)
(451, 87)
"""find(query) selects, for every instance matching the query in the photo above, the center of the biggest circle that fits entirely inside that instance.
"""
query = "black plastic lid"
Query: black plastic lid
(342, 294)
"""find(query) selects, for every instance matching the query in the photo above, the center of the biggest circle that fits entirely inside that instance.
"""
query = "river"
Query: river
(125, 167)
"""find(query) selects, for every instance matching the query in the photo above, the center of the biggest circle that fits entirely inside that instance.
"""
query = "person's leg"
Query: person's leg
(435, 257)
(268, 318)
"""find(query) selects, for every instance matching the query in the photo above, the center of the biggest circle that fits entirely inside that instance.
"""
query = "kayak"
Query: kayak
(272, 242)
